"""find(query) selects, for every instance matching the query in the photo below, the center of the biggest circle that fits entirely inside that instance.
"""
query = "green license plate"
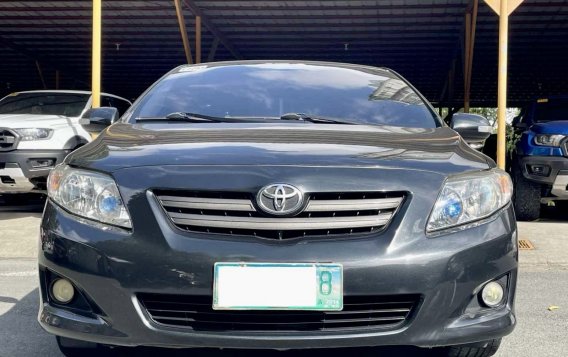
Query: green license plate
(278, 286)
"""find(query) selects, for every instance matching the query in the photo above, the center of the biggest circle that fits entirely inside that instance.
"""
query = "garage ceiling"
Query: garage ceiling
(418, 38)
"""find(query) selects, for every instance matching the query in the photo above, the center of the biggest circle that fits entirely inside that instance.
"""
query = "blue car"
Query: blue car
(539, 165)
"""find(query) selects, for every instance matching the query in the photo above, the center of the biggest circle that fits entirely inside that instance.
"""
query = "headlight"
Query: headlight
(470, 197)
(548, 140)
(88, 194)
(30, 134)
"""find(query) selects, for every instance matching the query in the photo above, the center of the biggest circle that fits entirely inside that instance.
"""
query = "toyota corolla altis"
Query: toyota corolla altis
(279, 205)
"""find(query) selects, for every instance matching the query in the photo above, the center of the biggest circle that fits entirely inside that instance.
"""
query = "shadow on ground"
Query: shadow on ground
(22, 336)
(559, 213)
(24, 203)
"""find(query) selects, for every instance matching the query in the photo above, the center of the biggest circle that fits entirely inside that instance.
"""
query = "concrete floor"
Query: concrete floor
(543, 282)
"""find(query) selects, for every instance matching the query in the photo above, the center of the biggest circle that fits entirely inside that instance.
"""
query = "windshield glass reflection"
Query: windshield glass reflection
(270, 90)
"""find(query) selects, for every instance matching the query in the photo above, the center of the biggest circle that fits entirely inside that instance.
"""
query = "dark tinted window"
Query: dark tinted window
(106, 101)
(271, 90)
(551, 110)
(67, 104)
(121, 105)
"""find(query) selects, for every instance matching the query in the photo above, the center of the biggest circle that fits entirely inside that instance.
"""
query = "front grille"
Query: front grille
(359, 312)
(8, 140)
(325, 214)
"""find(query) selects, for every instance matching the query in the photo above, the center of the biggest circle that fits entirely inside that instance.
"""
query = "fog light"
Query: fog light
(492, 294)
(42, 163)
(540, 170)
(62, 291)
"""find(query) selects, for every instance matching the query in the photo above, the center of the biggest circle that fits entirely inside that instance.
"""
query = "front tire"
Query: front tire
(526, 198)
(480, 349)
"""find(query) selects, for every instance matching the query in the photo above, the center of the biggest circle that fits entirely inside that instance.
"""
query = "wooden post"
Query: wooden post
(470, 28)
(503, 8)
(96, 55)
(467, 69)
(40, 74)
(502, 83)
(451, 80)
(183, 31)
(473, 29)
(197, 39)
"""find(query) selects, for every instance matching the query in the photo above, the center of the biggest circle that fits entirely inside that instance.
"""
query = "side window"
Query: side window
(518, 119)
(121, 105)
(106, 101)
(522, 115)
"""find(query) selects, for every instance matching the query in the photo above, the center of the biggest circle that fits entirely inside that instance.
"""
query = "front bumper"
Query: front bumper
(553, 165)
(17, 171)
(560, 185)
(110, 266)
(555, 173)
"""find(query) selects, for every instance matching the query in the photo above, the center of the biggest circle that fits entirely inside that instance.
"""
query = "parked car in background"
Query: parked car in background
(279, 205)
(38, 129)
(539, 160)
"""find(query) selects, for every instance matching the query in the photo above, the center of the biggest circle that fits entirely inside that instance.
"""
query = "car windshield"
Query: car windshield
(360, 95)
(67, 104)
(551, 110)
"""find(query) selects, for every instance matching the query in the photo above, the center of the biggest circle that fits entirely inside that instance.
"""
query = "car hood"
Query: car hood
(35, 121)
(551, 127)
(319, 145)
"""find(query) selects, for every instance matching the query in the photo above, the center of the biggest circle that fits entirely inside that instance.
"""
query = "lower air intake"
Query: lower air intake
(359, 312)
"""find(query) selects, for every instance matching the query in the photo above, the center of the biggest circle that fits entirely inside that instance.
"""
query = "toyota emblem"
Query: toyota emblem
(280, 199)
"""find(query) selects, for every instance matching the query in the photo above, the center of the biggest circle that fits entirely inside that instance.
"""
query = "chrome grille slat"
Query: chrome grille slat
(405, 310)
(236, 213)
(208, 203)
(345, 312)
(264, 223)
(394, 319)
(359, 313)
(353, 205)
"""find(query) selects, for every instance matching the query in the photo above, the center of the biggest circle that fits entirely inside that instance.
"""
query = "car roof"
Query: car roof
(290, 62)
(556, 96)
(70, 92)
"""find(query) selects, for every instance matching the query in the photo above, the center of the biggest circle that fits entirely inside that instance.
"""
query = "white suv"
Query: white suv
(38, 129)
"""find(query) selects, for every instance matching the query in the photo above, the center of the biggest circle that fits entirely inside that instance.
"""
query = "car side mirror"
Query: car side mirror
(520, 125)
(473, 128)
(96, 120)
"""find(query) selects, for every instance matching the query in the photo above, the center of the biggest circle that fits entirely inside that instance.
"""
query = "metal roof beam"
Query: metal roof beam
(470, 30)
(190, 4)
(213, 50)
(301, 6)
(183, 31)
(50, 62)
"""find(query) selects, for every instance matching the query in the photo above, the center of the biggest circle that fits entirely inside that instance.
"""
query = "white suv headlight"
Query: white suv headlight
(470, 197)
(31, 134)
(88, 194)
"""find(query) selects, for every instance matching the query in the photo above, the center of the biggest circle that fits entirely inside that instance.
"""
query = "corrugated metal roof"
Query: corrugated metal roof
(418, 38)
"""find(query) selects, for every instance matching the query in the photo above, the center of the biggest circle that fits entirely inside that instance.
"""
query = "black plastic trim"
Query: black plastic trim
(23, 158)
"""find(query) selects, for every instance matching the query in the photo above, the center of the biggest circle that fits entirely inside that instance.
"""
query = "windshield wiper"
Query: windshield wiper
(202, 118)
(313, 119)
(185, 117)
